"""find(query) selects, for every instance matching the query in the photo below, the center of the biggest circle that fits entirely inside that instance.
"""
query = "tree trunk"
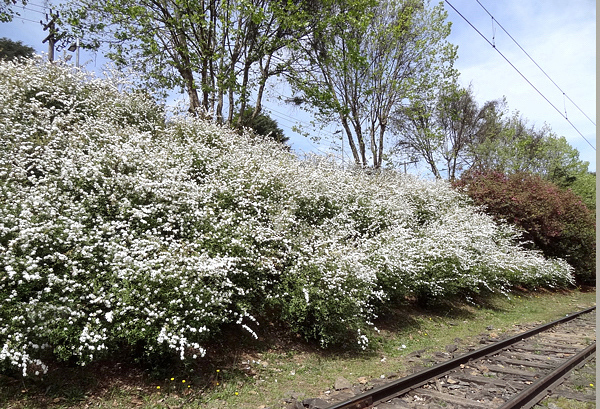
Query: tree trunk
(382, 130)
(374, 150)
(264, 70)
(188, 76)
(361, 145)
(351, 140)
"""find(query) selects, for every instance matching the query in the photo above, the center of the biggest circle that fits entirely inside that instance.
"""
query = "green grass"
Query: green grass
(258, 374)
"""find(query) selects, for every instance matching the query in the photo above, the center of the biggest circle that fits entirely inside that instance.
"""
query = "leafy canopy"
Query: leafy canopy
(11, 50)
(220, 52)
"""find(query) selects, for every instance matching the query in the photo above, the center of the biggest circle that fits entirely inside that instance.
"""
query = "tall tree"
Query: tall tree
(452, 133)
(10, 49)
(443, 129)
(370, 59)
(219, 51)
(516, 146)
(262, 124)
(584, 186)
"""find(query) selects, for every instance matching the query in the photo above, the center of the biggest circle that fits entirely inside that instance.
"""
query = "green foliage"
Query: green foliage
(452, 131)
(513, 146)
(219, 52)
(584, 186)
(315, 212)
(262, 124)
(11, 50)
(555, 221)
(367, 61)
(6, 10)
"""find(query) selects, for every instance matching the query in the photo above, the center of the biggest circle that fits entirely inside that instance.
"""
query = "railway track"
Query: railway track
(516, 372)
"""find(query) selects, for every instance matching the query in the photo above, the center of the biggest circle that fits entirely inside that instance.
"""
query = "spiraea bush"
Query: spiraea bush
(119, 227)
(553, 220)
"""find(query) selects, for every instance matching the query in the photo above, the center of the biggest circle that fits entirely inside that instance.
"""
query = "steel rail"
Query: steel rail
(542, 387)
(386, 392)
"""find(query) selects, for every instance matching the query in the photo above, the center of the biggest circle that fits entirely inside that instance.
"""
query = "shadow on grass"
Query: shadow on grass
(124, 380)
(66, 386)
(407, 314)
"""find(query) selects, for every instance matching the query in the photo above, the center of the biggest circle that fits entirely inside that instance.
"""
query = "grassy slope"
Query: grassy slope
(282, 367)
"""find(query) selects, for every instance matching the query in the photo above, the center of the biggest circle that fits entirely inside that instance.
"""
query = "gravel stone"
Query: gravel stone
(451, 348)
(315, 403)
(342, 383)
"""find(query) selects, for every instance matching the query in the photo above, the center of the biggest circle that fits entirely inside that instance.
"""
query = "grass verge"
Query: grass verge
(261, 374)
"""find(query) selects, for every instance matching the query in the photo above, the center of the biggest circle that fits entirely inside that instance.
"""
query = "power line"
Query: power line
(35, 11)
(37, 5)
(285, 117)
(34, 5)
(521, 74)
(280, 115)
(26, 19)
(536, 64)
(293, 119)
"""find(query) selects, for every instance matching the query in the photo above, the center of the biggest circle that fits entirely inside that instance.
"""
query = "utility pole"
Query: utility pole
(52, 31)
(75, 47)
(407, 163)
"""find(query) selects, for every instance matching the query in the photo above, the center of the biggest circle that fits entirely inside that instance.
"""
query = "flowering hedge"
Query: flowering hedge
(120, 227)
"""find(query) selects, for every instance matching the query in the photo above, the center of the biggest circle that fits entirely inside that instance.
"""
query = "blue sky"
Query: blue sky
(560, 36)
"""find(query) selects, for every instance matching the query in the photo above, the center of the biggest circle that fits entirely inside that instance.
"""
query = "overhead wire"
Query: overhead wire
(280, 115)
(290, 119)
(44, 8)
(287, 118)
(29, 3)
(34, 11)
(25, 19)
(521, 74)
(536, 64)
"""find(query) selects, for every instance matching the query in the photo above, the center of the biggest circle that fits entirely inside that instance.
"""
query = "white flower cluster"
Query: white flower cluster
(120, 227)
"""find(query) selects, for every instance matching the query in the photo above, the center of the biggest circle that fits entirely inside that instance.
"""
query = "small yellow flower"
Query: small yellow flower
(183, 381)
(236, 394)
(158, 387)
(172, 379)
(592, 385)
(218, 370)
(217, 383)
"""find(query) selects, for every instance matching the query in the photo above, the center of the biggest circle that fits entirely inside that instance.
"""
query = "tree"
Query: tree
(368, 61)
(219, 51)
(519, 147)
(10, 50)
(6, 11)
(584, 186)
(450, 129)
(442, 130)
(264, 125)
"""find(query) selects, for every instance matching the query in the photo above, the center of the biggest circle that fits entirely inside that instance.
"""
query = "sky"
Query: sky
(560, 37)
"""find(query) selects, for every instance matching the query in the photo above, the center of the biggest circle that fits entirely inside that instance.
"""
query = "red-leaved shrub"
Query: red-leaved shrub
(554, 221)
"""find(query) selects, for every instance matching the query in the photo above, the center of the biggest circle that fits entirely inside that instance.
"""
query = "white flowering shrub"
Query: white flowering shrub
(119, 227)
